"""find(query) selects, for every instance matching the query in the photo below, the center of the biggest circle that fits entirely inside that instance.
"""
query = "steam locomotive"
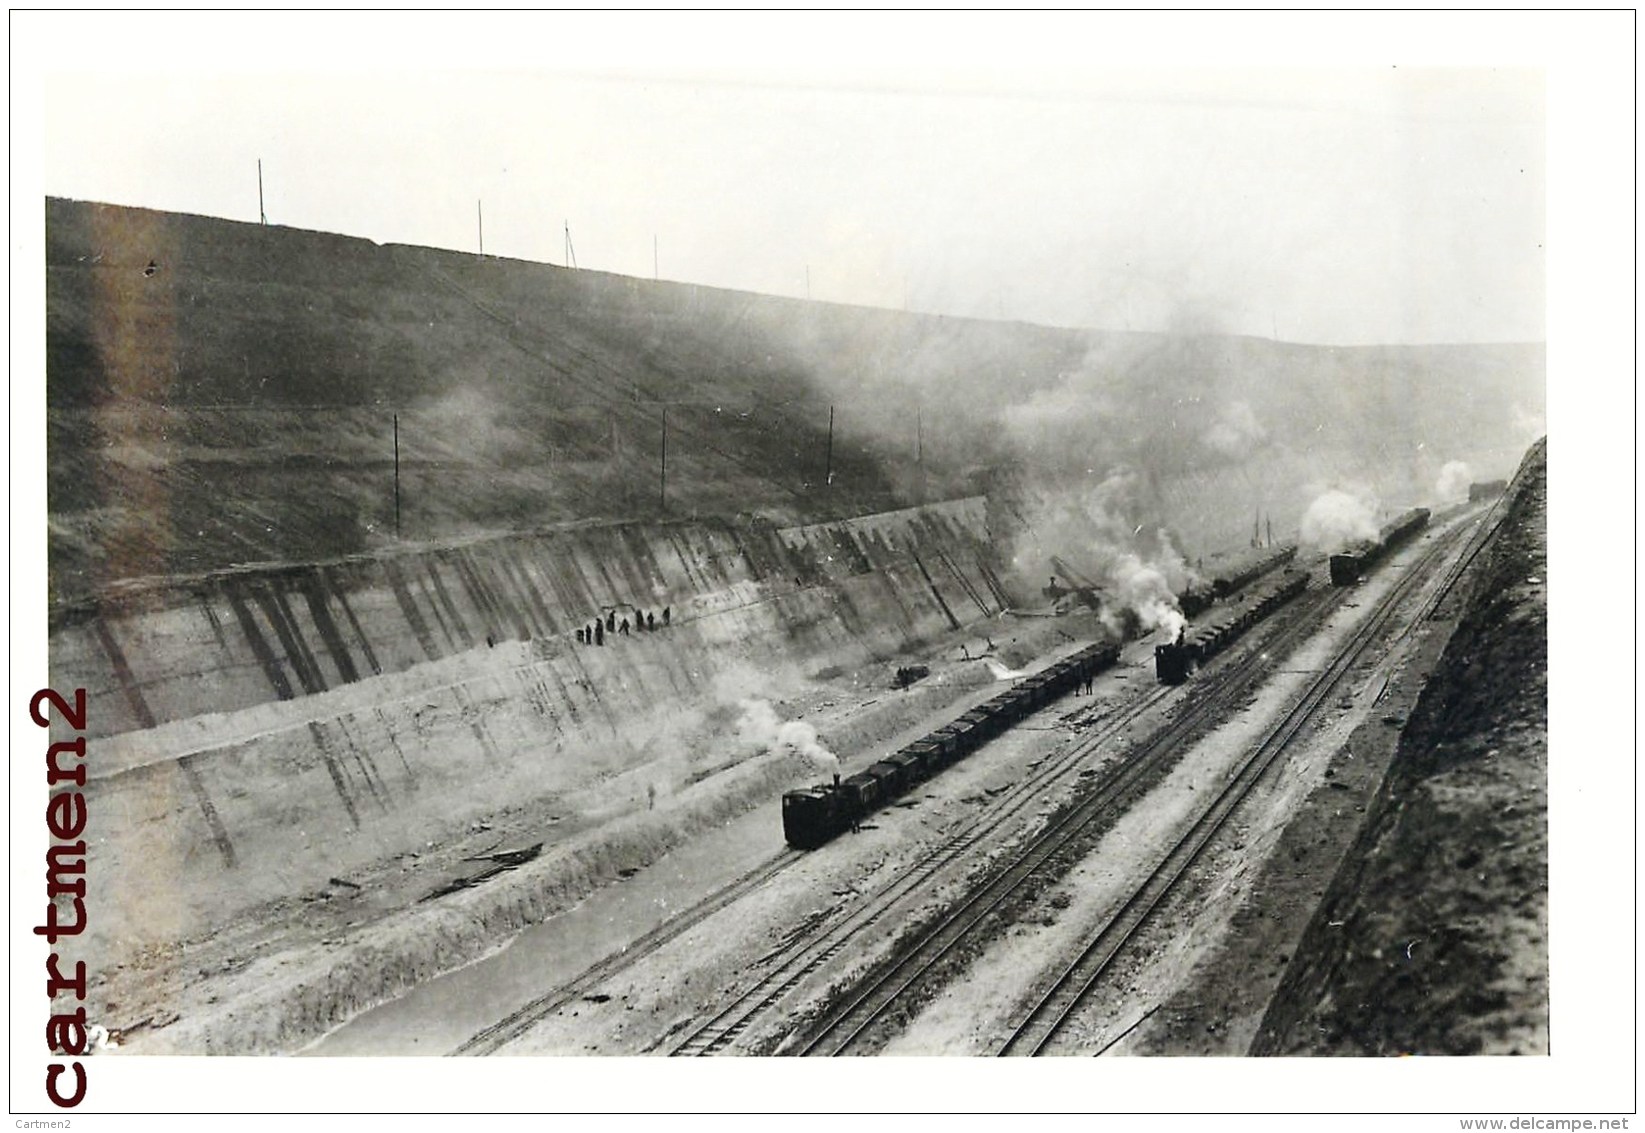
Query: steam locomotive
(815, 814)
(1175, 660)
(1350, 565)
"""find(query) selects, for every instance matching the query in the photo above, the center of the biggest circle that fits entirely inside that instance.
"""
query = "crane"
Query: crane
(1079, 586)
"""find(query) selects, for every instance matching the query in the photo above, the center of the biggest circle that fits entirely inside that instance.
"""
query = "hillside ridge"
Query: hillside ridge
(222, 392)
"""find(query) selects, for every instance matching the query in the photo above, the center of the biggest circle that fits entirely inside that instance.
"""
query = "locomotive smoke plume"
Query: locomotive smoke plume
(1107, 442)
(1236, 433)
(1159, 404)
(1337, 519)
(1143, 589)
(1454, 479)
(759, 728)
(1107, 532)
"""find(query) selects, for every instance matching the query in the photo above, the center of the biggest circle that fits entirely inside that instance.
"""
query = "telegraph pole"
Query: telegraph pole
(919, 451)
(262, 217)
(480, 216)
(828, 475)
(570, 252)
(396, 475)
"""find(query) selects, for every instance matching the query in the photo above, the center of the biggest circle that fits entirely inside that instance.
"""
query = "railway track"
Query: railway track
(1104, 798)
(1038, 1029)
(519, 1022)
(804, 958)
(850, 1024)
(516, 1024)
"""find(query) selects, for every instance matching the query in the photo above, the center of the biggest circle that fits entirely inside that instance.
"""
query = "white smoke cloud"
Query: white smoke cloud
(1110, 533)
(1061, 419)
(758, 727)
(1159, 404)
(1236, 432)
(1001, 672)
(1528, 423)
(1336, 519)
(1454, 480)
(1144, 589)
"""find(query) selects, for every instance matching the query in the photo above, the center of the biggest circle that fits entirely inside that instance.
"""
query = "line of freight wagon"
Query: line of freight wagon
(813, 815)
(1234, 574)
(1349, 565)
(1176, 660)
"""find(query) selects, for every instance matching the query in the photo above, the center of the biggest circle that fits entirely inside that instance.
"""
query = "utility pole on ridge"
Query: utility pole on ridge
(919, 452)
(828, 471)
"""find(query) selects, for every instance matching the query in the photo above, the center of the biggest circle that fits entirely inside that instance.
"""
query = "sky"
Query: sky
(1360, 202)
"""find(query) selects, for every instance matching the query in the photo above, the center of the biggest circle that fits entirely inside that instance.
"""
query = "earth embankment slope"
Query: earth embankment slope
(223, 393)
(280, 725)
(1433, 938)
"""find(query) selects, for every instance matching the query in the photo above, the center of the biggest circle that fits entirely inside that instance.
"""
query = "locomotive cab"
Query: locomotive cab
(811, 816)
(1172, 663)
(1345, 569)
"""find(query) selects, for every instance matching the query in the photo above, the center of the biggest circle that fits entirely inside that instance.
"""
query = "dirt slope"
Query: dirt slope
(222, 393)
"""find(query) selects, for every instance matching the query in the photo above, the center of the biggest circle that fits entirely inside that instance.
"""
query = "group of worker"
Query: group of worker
(597, 630)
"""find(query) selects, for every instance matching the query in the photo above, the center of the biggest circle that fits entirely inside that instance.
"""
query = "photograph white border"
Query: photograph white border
(1589, 63)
